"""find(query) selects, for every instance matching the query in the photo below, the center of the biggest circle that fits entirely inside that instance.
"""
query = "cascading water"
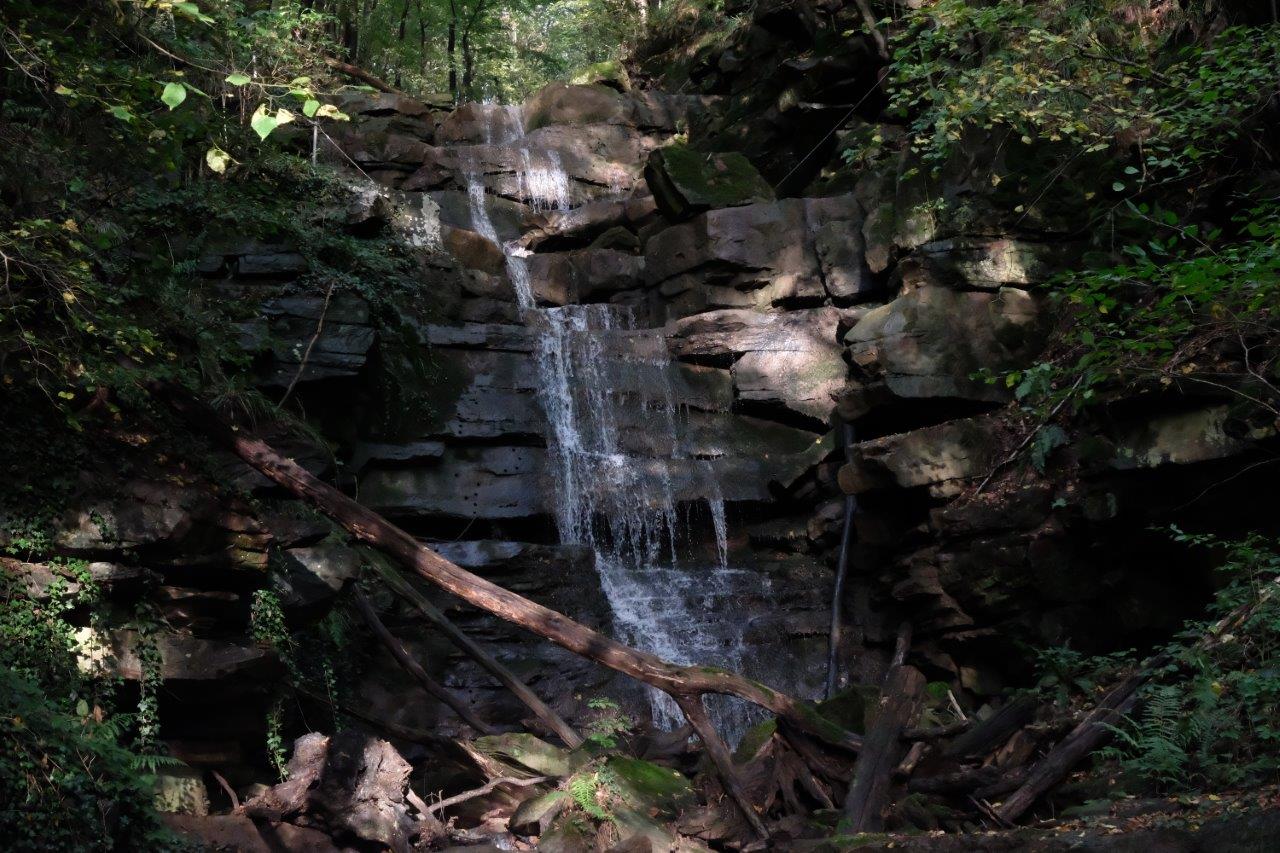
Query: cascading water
(614, 445)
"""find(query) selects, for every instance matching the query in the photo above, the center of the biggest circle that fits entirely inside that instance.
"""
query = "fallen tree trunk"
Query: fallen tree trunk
(1092, 732)
(882, 749)
(683, 683)
(553, 721)
(420, 675)
(363, 76)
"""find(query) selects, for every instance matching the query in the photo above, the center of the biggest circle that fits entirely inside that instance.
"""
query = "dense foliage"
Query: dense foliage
(1210, 716)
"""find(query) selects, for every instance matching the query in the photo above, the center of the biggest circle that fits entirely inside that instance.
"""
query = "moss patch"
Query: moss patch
(685, 181)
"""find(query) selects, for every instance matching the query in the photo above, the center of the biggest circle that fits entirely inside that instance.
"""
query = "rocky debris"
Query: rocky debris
(685, 182)
(351, 786)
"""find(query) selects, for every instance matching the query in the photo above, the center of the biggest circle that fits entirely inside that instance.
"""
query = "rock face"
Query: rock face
(772, 319)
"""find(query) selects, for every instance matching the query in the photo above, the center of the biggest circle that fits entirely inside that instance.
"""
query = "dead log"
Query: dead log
(1091, 733)
(882, 748)
(553, 721)
(411, 666)
(994, 730)
(938, 732)
(486, 788)
(363, 76)
(682, 683)
(696, 713)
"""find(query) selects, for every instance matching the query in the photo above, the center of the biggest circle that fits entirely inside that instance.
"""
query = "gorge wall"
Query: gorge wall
(717, 330)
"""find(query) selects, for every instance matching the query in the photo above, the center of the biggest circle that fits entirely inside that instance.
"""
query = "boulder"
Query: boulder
(1182, 438)
(939, 457)
(182, 656)
(759, 255)
(566, 103)
(685, 182)
(314, 574)
(179, 789)
(789, 360)
(340, 350)
(930, 341)
(478, 123)
(586, 275)
(535, 815)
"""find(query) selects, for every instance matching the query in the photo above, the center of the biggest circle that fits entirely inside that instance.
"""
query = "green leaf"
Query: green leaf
(173, 95)
(121, 112)
(1118, 187)
(192, 11)
(63, 90)
(262, 122)
(238, 79)
(217, 159)
(310, 107)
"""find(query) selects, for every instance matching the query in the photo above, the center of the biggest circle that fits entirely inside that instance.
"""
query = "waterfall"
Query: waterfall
(616, 456)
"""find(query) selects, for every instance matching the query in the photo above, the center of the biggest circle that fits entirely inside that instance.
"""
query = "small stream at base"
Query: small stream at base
(618, 463)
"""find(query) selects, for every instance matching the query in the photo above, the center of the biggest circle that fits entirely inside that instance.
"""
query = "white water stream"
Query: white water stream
(615, 452)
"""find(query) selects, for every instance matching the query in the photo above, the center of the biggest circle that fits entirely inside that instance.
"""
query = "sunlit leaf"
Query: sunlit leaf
(263, 122)
(217, 159)
(173, 95)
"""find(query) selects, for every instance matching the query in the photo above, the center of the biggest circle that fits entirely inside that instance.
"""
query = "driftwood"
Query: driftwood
(553, 721)
(685, 684)
(487, 788)
(882, 749)
(420, 675)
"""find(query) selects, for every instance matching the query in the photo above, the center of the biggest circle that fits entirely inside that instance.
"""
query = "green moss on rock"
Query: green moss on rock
(685, 181)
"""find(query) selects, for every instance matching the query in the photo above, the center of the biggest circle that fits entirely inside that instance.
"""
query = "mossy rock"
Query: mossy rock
(180, 790)
(686, 182)
(650, 786)
(609, 73)
(851, 707)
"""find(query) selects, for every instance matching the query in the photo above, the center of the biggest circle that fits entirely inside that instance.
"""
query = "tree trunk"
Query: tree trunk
(361, 75)
(882, 749)
(452, 47)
